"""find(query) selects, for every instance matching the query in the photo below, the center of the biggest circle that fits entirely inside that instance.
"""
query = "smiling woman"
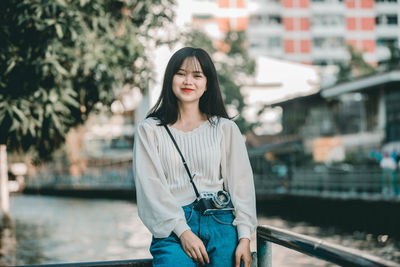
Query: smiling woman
(189, 83)
(203, 210)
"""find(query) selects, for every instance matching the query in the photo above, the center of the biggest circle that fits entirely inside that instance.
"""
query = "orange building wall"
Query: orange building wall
(289, 24)
(367, 24)
(240, 3)
(369, 45)
(351, 24)
(304, 3)
(287, 3)
(223, 24)
(305, 46)
(223, 3)
(367, 3)
(242, 24)
(289, 46)
(304, 24)
(350, 3)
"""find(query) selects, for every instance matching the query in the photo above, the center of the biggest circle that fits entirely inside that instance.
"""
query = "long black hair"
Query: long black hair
(210, 103)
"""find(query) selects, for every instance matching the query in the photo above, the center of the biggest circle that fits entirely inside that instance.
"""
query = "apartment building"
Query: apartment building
(317, 31)
(215, 17)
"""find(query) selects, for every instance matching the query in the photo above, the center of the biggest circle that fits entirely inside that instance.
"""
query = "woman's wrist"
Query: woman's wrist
(244, 240)
(181, 227)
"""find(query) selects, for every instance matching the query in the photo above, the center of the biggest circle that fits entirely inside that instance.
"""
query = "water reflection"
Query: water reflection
(54, 229)
(7, 240)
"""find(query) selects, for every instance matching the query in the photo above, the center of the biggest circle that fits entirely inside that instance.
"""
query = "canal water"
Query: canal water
(45, 229)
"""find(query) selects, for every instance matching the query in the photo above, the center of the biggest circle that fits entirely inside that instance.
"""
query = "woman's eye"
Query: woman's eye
(180, 73)
(197, 76)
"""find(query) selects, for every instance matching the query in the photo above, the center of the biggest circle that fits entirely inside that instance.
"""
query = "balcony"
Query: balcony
(328, 30)
(387, 30)
(329, 53)
(327, 7)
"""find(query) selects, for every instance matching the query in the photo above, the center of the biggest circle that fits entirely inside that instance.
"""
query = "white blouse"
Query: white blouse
(217, 157)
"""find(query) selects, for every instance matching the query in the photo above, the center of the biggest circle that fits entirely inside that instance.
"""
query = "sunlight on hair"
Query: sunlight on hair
(192, 63)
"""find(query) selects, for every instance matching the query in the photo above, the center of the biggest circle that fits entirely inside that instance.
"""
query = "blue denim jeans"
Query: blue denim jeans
(216, 231)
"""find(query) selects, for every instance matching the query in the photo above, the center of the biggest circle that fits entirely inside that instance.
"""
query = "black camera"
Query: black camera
(210, 202)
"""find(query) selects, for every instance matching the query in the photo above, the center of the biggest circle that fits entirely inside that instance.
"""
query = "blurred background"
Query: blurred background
(312, 84)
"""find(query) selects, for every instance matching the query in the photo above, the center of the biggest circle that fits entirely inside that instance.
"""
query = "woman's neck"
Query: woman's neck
(189, 117)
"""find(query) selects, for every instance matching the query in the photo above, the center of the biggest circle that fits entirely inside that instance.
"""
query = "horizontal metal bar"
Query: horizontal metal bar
(314, 247)
(121, 263)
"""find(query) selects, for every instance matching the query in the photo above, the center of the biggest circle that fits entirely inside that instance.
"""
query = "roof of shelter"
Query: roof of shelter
(362, 83)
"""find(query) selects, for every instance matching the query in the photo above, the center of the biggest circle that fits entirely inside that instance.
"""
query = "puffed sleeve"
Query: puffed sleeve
(238, 178)
(157, 207)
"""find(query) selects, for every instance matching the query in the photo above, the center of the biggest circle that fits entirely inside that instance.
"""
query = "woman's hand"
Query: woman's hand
(243, 252)
(194, 247)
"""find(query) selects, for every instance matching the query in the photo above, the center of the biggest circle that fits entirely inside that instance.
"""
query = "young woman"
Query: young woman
(192, 108)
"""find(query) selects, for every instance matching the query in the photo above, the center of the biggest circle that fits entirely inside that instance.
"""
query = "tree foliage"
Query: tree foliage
(393, 62)
(356, 67)
(233, 68)
(61, 59)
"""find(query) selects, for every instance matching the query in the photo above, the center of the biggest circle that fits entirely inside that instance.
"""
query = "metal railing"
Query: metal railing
(266, 235)
(342, 256)
(122, 263)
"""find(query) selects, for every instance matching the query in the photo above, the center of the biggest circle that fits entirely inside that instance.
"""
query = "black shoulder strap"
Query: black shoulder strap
(183, 160)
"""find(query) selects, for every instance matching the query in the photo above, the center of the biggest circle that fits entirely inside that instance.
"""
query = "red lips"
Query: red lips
(187, 90)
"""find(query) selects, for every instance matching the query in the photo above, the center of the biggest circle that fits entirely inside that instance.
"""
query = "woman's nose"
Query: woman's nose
(187, 80)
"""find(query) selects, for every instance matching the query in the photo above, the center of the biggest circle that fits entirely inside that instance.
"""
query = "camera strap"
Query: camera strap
(184, 162)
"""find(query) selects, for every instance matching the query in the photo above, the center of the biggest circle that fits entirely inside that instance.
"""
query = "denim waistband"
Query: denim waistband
(194, 204)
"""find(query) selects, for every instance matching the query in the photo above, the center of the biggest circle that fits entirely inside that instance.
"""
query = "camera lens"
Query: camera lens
(221, 199)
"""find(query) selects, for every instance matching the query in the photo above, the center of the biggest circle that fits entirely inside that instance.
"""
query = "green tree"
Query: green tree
(61, 59)
(233, 68)
(356, 67)
(394, 61)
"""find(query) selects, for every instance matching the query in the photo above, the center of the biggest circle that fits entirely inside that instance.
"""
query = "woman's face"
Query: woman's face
(189, 83)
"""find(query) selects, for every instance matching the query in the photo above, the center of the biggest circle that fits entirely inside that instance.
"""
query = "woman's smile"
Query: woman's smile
(187, 90)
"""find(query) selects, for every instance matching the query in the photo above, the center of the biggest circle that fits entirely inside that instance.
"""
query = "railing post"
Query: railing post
(264, 252)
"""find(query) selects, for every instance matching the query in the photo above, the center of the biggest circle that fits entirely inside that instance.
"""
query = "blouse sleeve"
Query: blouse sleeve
(238, 178)
(157, 207)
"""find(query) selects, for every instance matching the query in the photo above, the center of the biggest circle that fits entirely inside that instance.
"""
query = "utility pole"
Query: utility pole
(4, 193)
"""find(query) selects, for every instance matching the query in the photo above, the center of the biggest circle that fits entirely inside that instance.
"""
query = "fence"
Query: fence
(324, 181)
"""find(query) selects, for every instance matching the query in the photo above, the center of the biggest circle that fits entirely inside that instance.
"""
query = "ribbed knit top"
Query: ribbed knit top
(216, 155)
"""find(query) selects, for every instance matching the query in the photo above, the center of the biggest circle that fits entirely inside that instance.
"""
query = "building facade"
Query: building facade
(215, 17)
(317, 31)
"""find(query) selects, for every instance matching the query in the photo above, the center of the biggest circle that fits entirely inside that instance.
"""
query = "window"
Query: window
(202, 17)
(392, 19)
(392, 99)
(387, 41)
(255, 19)
(274, 19)
(327, 20)
(382, 1)
(386, 19)
(259, 19)
(328, 42)
(274, 42)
